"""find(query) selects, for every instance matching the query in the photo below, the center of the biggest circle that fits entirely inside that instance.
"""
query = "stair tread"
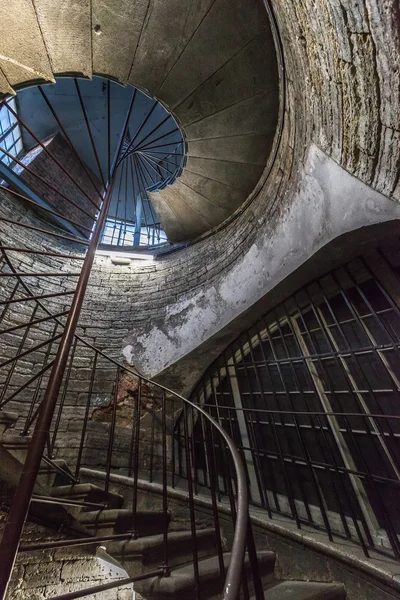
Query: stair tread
(73, 489)
(15, 439)
(111, 514)
(304, 590)
(70, 52)
(211, 564)
(182, 578)
(7, 416)
(78, 489)
(151, 541)
(16, 19)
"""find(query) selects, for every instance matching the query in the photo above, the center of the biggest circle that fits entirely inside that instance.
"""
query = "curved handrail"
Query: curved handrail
(234, 572)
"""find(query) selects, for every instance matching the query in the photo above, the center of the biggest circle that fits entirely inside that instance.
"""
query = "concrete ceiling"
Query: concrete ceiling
(212, 62)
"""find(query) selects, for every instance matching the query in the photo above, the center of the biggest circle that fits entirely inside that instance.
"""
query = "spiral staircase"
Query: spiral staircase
(212, 63)
(215, 67)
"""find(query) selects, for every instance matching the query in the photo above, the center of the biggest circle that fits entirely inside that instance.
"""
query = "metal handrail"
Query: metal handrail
(41, 413)
(234, 574)
(239, 510)
(44, 416)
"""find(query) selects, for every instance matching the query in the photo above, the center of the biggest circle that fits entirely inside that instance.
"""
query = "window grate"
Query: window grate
(310, 393)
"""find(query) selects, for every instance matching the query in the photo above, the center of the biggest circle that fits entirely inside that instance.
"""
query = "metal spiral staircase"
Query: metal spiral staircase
(43, 476)
(49, 386)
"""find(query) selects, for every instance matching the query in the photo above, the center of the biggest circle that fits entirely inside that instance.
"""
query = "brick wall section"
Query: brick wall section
(42, 164)
(104, 329)
(19, 313)
(39, 575)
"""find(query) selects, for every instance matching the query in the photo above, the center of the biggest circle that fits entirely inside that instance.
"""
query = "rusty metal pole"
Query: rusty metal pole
(20, 506)
(22, 498)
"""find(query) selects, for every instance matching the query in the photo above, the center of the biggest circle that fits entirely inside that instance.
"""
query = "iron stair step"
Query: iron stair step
(109, 521)
(88, 492)
(144, 554)
(180, 585)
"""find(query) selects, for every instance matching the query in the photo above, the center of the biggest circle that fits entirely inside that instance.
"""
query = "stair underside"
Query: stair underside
(212, 63)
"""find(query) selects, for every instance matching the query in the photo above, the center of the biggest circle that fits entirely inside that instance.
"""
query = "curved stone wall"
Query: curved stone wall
(342, 78)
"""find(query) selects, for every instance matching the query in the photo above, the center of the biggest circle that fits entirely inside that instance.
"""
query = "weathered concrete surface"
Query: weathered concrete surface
(116, 29)
(226, 196)
(225, 30)
(195, 212)
(248, 149)
(328, 203)
(249, 116)
(256, 69)
(167, 30)
(169, 219)
(66, 29)
(182, 201)
(23, 54)
(241, 176)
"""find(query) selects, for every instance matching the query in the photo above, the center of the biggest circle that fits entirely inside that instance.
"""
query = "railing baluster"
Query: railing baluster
(112, 432)
(164, 480)
(86, 417)
(135, 447)
(191, 505)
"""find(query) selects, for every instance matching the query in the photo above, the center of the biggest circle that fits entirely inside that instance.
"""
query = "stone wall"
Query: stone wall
(342, 78)
(18, 313)
(102, 325)
(41, 575)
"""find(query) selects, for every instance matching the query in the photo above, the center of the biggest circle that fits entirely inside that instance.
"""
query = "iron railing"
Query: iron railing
(151, 157)
(39, 345)
(310, 395)
(144, 449)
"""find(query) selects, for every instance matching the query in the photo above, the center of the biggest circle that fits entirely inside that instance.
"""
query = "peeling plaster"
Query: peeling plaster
(328, 203)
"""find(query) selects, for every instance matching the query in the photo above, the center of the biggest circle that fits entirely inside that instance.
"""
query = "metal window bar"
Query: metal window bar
(363, 505)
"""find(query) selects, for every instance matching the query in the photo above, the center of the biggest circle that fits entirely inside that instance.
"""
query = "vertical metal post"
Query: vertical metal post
(22, 499)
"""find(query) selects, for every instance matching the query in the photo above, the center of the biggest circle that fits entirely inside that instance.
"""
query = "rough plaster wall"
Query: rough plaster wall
(342, 65)
(328, 203)
(342, 61)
